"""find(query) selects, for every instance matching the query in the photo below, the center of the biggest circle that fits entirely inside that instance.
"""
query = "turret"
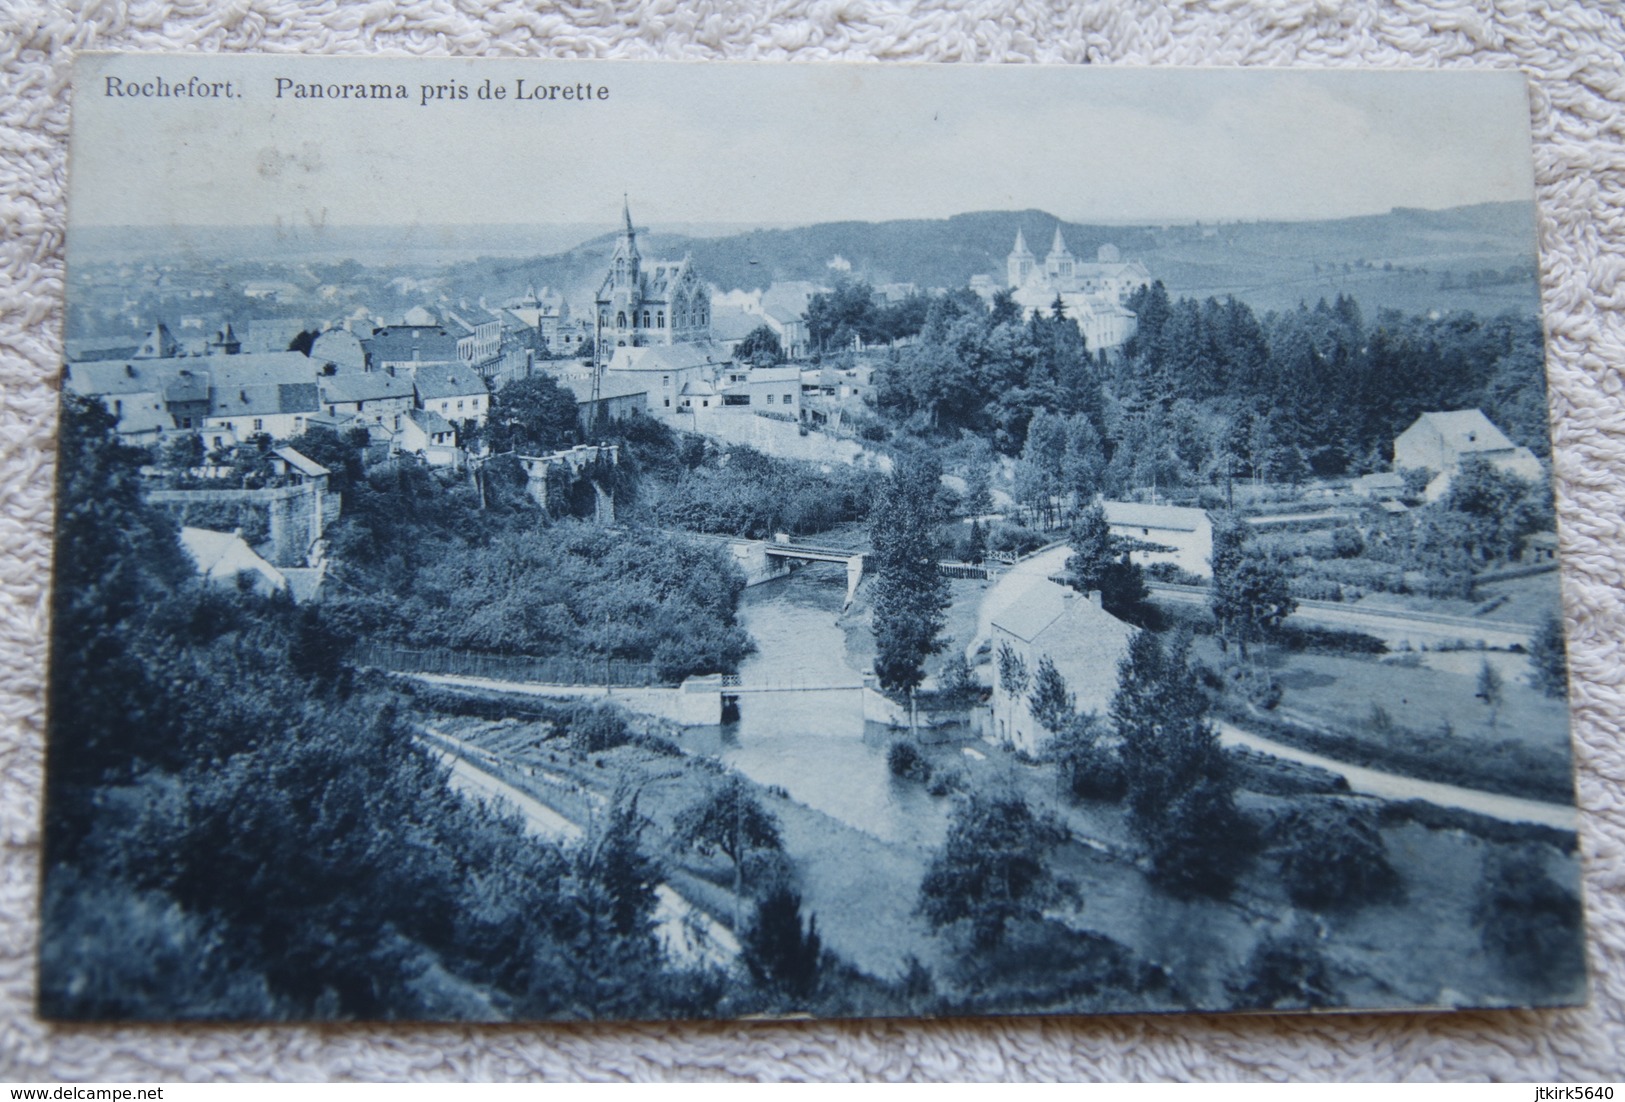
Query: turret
(1020, 264)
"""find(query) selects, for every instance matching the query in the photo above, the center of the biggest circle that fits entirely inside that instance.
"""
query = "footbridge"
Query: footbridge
(764, 560)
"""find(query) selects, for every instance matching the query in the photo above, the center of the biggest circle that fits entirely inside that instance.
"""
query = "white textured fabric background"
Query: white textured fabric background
(1573, 54)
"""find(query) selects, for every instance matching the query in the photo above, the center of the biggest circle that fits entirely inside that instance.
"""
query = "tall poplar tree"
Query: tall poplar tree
(911, 595)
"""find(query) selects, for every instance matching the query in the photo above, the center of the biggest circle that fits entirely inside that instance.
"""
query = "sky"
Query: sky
(780, 143)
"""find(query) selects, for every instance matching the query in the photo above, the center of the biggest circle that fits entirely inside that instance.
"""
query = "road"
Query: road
(1010, 587)
(1392, 786)
(1416, 629)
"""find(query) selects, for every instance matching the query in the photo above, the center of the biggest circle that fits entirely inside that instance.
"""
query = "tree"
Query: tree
(976, 545)
(910, 593)
(532, 415)
(1332, 857)
(1180, 795)
(1090, 768)
(1051, 704)
(1548, 658)
(1091, 540)
(993, 869)
(782, 953)
(1489, 688)
(728, 819)
(614, 861)
(760, 347)
(1249, 596)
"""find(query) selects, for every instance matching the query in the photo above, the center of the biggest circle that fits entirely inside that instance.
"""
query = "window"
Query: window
(786, 399)
(665, 380)
(620, 319)
(660, 319)
(259, 424)
(646, 319)
(668, 403)
(459, 405)
(770, 399)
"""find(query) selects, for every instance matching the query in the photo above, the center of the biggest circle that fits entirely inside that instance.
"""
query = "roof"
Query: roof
(100, 348)
(223, 555)
(1033, 611)
(300, 462)
(774, 375)
(1464, 430)
(405, 343)
(258, 401)
(429, 421)
(144, 414)
(790, 297)
(187, 385)
(1046, 604)
(370, 386)
(613, 386)
(668, 357)
(447, 381)
(1175, 518)
(730, 323)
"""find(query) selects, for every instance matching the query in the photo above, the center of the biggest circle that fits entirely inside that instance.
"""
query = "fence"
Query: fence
(556, 670)
(973, 571)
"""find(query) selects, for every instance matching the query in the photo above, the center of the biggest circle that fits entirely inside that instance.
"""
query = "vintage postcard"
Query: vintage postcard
(564, 540)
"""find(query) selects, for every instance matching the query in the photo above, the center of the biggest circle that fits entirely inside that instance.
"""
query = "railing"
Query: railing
(554, 670)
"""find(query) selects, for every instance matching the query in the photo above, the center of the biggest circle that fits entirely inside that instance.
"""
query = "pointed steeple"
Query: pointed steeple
(1021, 245)
(1059, 247)
(626, 216)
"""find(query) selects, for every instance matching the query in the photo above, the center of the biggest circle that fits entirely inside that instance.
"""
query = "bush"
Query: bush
(907, 763)
(1015, 539)
(1284, 972)
(593, 728)
(1529, 922)
(1347, 542)
(1202, 843)
(1172, 574)
(781, 953)
(945, 782)
(1332, 856)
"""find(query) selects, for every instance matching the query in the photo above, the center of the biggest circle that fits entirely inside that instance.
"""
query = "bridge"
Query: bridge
(764, 560)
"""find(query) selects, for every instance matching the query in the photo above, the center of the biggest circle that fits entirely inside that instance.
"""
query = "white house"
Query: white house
(1084, 641)
(225, 558)
(1438, 442)
(1189, 532)
(457, 393)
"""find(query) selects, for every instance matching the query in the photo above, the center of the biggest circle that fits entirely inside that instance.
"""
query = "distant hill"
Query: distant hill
(1400, 259)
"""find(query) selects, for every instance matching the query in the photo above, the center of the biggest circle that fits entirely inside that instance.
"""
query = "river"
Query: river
(814, 743)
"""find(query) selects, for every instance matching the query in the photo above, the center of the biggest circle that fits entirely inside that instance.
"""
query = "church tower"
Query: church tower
(1020, 264)
(622, 295)
(1060, 265)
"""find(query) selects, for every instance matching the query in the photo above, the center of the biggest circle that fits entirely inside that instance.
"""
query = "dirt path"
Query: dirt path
(1392, 786)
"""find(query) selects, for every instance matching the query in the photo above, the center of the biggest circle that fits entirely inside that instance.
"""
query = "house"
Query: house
(1438, 442)
(372, 396)
(619, 397)
(401, 348)
(224, 558)
(764, 390)
(150, 397)
(455, 392)
(1084, 641)
(341, 348)
(1186, 532)
(664, 372)
(277, 410)
(427, 434)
